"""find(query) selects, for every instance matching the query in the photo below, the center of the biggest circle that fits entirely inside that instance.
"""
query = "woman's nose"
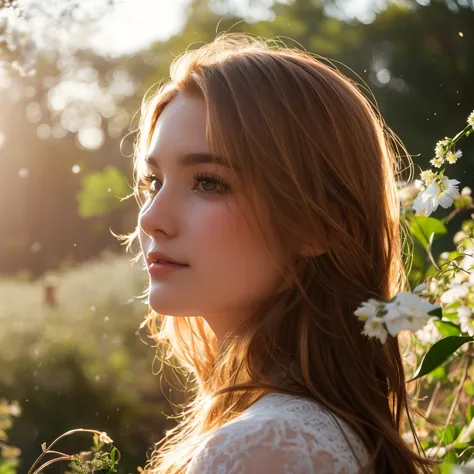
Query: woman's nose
(160, 213)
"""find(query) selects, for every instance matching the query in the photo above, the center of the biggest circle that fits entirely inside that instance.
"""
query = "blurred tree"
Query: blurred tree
(101, 192)
(18, 49)
(59, 125)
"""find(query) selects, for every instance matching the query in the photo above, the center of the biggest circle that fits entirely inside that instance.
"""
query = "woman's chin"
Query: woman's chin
(167, 308)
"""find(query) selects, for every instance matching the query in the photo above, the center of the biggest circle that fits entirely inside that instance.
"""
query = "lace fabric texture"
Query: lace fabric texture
(281, 434)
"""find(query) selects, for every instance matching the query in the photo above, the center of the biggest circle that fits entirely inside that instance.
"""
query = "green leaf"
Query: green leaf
(9, 466)
(438, 312)
(439, 373)
(462, 445)
(454, 305)
(450, 460)
(112, 454)
(438, 353)
(425, 444)
(447, 328)
(426, 228)
(469, 388)
(469, 413)
(451, 433)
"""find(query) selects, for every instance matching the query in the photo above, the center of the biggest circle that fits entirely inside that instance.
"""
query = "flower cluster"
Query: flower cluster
(103, 438)
(439, 191)
(406, 311)
(429, 334)
(470, 120)
(94, 460)
(436, 189)
(458, 295)
(441, 150)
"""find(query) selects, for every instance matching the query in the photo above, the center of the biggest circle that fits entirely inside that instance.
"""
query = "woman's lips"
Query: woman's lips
(162, 268)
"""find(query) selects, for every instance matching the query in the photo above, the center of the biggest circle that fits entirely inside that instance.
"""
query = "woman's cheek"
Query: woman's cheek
(217, 226)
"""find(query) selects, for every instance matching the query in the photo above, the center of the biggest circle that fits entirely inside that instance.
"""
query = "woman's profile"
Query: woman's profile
(268, 212)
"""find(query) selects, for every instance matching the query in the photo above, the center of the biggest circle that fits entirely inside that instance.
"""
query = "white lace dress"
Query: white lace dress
(280, 434)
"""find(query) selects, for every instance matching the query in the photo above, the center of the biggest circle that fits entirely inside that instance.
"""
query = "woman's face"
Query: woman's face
(200, 222)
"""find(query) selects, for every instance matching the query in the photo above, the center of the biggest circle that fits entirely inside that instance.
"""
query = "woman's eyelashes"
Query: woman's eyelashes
(207, 183)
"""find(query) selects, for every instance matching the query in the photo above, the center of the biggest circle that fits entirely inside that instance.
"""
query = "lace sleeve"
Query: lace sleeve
(266, 446)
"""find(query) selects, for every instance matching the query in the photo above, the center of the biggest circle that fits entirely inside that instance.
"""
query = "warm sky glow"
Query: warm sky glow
(134, 24)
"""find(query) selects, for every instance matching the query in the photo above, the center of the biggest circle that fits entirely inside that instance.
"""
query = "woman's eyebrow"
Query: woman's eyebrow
(190, 159)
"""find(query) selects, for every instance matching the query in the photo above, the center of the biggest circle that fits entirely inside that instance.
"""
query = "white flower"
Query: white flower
(394, 320)
(420, 184)
(442, 147)
(449, 191)
(428, 334)
(467, 263)
(458, 236)
(466, 320)
(103, 438)
(374, 328)
(427, 176)
(433, 285)
(460, 277)
(427, 200)
(407, 312)
(451, 157)
(368, 310)
(413, 305)
(466, 191)
(435, 194)
(437, 162)
(420, 289)
(470, 120)
(454, 293)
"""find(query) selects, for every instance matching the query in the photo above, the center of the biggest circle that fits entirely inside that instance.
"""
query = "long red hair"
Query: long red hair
(304, 140)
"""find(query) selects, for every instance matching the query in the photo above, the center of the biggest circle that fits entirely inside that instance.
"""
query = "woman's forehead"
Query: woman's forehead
(180, 128)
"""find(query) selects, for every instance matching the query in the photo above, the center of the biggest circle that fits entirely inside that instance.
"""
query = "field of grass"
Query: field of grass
(83, 363)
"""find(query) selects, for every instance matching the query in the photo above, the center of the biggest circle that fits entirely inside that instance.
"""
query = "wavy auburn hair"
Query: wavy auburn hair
(303, 140)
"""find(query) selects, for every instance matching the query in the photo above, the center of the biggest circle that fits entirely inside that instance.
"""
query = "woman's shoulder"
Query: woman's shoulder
(286, 434)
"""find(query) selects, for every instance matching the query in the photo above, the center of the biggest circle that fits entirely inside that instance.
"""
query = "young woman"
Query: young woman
(269, 213)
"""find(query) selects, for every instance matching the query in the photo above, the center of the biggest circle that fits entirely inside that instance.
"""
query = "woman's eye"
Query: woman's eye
(210, 183)
(207, 183)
